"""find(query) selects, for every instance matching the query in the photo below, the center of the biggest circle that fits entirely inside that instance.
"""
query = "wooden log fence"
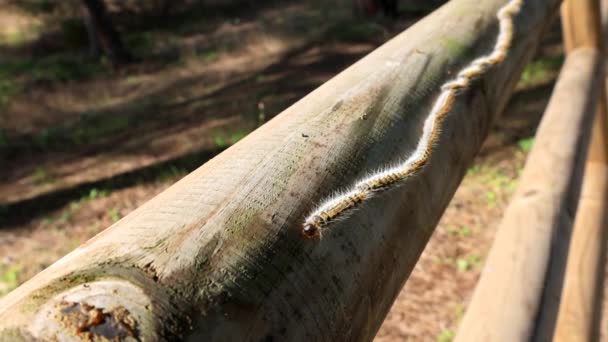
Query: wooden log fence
(544, 283)
(220, 255)
(511, 287)
(579, 313)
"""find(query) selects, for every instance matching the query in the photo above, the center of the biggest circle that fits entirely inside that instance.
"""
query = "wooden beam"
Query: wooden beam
(582, 27)
(581, 24)
(579, 311)
(220, 255)
(508, 295)
(579, 307)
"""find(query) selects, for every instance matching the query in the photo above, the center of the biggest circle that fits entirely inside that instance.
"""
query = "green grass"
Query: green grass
(16, 76)
(113, 214)
(65, 216)
(58, 68)
(87, 129)
(459, 311)
(474, 170)
(8, 90)
(71, 245)
(222, 141)
(94, 194)
(446, 335)
(467, 263)
(234, 137)
(40, 177)
(261, 78)
(219, 141)
(8, 278)
(494, 180)
(526, 144)
(540, 70)
(171, 172)
(47, 221)
(491, 198)
(462, 232)
(15, 38)
(133, 80)
(209, 56)
(497, 181)
(68, 213)
(96, 127)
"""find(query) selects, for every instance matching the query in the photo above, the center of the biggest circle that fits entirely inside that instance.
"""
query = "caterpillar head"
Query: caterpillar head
(311, 230)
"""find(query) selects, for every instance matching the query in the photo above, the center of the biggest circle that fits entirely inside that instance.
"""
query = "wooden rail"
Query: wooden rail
(539, 283)
(580, 303)
(508, 296)
(220, 255)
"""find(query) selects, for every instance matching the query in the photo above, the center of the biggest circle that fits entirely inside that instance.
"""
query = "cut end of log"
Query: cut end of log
(99, 311)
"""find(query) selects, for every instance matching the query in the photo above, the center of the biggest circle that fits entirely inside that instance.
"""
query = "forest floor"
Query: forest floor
(82, 145)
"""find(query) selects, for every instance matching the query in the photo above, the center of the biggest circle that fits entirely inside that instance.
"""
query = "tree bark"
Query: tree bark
(94, 46)
(220, 255)
(102, 33)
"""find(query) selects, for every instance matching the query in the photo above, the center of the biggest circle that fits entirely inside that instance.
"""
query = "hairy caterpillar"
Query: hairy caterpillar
(338, 206)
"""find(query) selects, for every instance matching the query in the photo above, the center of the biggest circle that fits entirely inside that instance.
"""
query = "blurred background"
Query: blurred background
(104, 104)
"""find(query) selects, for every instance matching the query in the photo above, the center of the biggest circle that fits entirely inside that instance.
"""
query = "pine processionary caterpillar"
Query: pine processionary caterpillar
(338, 206)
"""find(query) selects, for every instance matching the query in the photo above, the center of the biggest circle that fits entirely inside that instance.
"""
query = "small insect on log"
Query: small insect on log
(337, 207)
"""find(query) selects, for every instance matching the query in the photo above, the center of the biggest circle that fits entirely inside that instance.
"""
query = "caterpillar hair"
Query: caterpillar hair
(339, 206)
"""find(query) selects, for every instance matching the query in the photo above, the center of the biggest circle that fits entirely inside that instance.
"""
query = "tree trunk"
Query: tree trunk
(221, 256)
(102, 33)
(94, 46)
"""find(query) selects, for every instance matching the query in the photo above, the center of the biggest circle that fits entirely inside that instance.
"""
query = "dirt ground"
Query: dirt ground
(85, 144)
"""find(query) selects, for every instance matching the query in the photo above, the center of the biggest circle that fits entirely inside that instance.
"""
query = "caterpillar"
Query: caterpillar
(339, 206)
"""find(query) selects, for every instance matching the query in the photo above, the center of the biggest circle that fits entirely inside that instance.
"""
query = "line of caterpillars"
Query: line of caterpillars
(338, 206)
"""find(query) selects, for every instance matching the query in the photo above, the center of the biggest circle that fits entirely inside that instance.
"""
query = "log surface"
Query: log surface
(580, 303)
(220, 255)
(507, 299)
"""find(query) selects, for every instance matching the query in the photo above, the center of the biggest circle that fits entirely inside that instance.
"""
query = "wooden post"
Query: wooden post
(582, 27)
(579, 307)
(508, 295)
(220, 255)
